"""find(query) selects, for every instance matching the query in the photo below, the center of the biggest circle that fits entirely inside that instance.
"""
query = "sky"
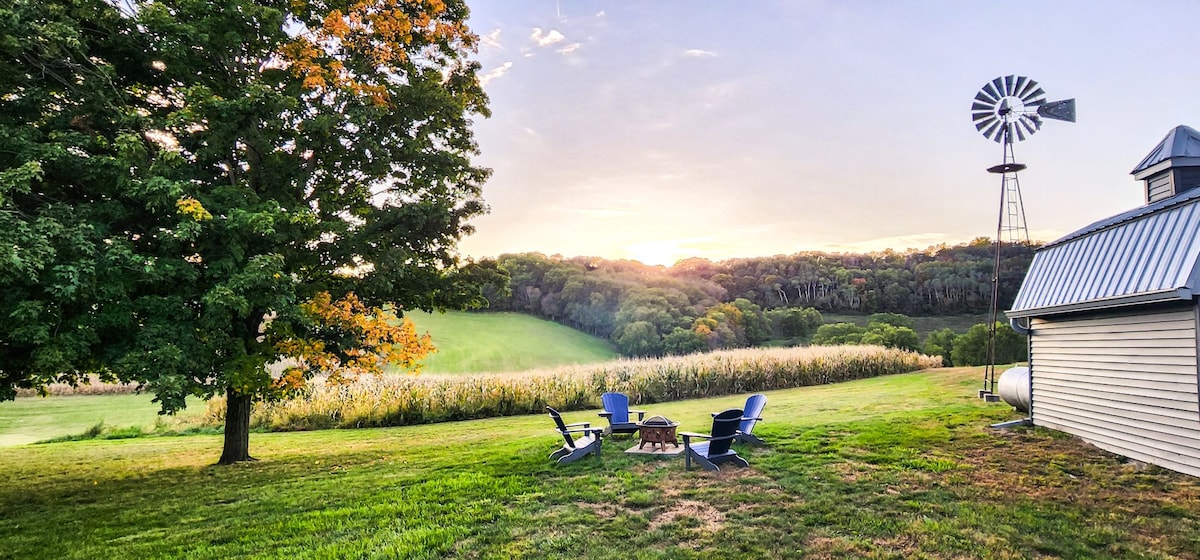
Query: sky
(657, 131)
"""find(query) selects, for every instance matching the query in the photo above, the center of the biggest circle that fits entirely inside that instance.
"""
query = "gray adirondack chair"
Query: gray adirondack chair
(752, 415)
(574, 448)
(715, 451)
(616, 411)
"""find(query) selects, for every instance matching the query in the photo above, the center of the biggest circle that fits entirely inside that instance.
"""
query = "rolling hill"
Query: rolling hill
(500, 342)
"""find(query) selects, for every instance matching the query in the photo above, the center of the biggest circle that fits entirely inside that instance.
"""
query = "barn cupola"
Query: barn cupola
(1171, 167)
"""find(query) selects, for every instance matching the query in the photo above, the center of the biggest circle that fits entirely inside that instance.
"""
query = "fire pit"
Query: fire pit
(658, 429)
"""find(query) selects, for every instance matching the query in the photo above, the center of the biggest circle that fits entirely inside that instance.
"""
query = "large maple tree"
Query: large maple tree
(194, 190)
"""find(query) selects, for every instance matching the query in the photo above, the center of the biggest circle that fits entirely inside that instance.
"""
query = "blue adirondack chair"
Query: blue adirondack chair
(616, 411)
(711, 453)
(751, 416)
(573, 448)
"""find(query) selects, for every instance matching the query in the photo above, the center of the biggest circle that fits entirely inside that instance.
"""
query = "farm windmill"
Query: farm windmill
(1006, 110)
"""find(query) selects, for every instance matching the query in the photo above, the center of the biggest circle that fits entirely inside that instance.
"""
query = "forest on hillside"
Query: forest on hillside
(700, 304)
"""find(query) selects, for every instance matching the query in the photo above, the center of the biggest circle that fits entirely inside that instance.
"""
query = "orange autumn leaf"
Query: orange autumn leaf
(387, 33)
(379, 339)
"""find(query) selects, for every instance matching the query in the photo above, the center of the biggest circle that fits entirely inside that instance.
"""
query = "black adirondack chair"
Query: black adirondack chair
(711, 453)
(574, 448)
(616, 411)
(751, 416)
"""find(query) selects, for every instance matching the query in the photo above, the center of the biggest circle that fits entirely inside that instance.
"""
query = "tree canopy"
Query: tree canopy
(192, 190)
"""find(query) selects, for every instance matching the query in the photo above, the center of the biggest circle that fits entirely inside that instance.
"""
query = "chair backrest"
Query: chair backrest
(754, 408)
(562, 428)
(618, 405)
(724, 424)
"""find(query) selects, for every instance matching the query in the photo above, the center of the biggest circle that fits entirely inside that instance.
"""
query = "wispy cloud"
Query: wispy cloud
(495, 73)
(544, 39)
(569, 48)
(600, 13)
(699, 53)
(491, 40)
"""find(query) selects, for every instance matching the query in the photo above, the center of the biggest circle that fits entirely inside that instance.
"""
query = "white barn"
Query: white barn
(1112, 313)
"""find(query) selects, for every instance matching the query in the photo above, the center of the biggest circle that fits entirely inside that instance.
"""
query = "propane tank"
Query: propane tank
(1014, 388)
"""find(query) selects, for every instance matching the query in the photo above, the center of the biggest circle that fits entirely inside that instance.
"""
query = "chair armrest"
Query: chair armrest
(578, 430)
(640, 413)
(709, 437)
(751, 418)
(608, 415)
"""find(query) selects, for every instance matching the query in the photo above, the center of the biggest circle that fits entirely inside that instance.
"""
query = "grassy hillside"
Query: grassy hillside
(893, 467)
(30, 419)
(500, 342)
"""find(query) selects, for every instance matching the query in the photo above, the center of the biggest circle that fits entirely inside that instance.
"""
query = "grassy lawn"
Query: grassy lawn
(895, 467)
(500, 342)
(30, 419)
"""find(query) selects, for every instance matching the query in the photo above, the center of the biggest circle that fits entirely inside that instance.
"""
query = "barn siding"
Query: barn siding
(1123, 381)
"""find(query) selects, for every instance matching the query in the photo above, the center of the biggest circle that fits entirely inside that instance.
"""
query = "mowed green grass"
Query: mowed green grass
(30, 419)
(901, 466)
(504, 342)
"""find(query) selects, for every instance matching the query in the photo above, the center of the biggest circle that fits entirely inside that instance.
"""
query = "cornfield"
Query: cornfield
(421, 399)
(91, 386)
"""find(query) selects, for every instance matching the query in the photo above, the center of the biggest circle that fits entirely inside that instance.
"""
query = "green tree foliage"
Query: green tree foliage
(876, 332)
(793, 322)
(757, 330)
(940, 343)
(178, 179)
(682, 341)
(838, 333)
(970, 348)
(639, 338)
(891, 336)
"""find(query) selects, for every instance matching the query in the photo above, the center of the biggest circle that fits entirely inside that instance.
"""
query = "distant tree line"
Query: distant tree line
(699, 304)
(896, 331)
(941, 280)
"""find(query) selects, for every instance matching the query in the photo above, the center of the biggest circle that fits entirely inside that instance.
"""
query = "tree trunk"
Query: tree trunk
(237, 429)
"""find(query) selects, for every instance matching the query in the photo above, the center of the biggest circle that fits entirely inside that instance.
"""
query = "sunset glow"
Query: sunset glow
(660, 131)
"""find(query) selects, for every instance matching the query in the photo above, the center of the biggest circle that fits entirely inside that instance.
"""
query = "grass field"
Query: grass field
(923, 325)
(502, 342)
(900, 466)
(30, 419)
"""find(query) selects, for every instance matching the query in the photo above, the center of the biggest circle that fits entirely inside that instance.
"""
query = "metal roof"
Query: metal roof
(1181, 142)
(1146, 255)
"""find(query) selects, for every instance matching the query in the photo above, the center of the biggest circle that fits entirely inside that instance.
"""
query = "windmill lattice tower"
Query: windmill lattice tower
(1006, 110)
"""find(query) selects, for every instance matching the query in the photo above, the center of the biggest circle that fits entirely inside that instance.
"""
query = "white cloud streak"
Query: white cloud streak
(544, 39)
(495, 73)
(491, 40)
(699, 53)
(569, 48)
